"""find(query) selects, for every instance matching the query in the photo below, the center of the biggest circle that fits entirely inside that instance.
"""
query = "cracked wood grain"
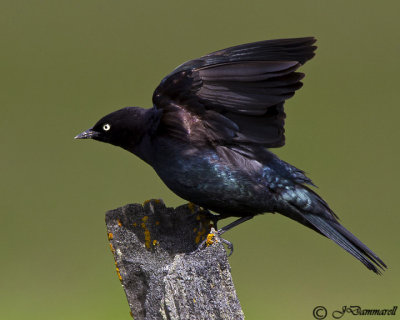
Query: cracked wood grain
(151, 245)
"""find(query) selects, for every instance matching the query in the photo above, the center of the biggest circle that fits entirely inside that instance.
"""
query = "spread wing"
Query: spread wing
(235, 96)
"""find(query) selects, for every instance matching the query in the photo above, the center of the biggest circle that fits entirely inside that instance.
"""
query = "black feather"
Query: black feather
(347, 241)
(246, 84)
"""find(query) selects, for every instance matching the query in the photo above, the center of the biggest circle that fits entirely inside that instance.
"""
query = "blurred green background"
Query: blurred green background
(64, 64)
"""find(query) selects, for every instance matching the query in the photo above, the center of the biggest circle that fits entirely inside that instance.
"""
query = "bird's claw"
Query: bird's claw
(213, 237)
(228, 244)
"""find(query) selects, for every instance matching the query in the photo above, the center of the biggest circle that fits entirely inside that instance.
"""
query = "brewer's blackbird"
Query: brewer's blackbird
(209, 132)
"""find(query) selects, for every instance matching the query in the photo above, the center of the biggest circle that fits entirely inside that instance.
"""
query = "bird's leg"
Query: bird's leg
(233, 224)
(228, 227)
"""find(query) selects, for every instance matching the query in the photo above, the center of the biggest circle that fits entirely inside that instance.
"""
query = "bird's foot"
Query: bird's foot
(211, 237)
(228, 244)
(214, 237)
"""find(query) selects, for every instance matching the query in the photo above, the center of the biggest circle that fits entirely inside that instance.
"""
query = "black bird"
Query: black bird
(208, 134)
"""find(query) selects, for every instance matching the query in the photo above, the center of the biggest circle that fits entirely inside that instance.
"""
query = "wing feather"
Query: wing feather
(234, 96)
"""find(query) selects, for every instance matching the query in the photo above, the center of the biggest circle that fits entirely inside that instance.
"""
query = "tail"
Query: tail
(306, 207)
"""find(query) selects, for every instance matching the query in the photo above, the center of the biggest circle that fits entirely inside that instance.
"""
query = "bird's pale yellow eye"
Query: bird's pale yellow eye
(106, 127)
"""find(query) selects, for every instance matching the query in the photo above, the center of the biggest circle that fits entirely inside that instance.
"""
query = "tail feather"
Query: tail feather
(306, 207)
(347, 241)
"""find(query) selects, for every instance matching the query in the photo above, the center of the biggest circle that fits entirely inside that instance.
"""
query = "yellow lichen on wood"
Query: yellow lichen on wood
(110, 236)
(147, 238)
(150, 200)
(191, 207)
(112, 248)
(200, 235)
(119, 223)
(210, 239)
(146, 202)
(118, 273)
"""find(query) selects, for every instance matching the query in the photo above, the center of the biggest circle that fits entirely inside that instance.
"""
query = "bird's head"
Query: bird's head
(123, 128)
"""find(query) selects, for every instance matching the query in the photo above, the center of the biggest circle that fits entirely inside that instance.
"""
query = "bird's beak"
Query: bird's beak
(88, 134)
